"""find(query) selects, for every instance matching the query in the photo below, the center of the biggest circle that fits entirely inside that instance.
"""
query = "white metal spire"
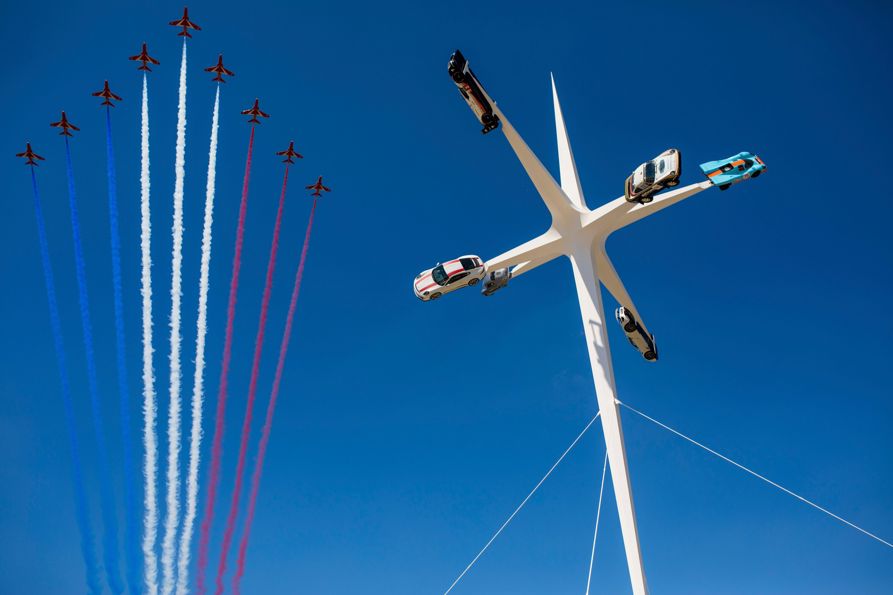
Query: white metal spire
(580, 233)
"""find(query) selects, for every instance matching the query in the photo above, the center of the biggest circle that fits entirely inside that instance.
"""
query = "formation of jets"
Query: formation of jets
(219, 70)
(107, 95)
(254, 112)
(289, 153)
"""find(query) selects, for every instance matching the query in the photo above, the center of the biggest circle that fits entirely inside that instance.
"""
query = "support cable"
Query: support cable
(758, 476)
(598, 514)
(520, 506)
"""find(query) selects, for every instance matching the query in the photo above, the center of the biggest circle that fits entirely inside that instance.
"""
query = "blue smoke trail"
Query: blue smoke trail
(110, 523)
(131, 549)
(80, 497)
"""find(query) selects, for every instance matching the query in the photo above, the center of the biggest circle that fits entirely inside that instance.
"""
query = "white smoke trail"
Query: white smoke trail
(150, 464)
(198, 381)
(171, 520)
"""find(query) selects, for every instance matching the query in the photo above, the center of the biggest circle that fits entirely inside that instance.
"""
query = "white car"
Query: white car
(636, 335)
(449, 276)
(653, 176)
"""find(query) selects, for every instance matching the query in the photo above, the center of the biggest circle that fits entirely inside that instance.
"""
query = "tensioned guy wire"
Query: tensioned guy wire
(598, 514)
(757, 475)
(520, 506)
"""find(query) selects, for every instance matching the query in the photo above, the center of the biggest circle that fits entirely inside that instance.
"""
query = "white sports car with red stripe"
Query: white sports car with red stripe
(449, 276)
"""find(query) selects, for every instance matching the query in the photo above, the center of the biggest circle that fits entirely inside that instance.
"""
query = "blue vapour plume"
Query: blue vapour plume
(106, 493)
(80, 497)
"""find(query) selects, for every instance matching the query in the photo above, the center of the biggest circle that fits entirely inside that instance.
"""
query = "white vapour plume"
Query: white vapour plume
(150, 447)
(198, 381)
(171, 520)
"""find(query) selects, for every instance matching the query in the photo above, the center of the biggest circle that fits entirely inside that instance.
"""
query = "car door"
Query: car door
(456, 281)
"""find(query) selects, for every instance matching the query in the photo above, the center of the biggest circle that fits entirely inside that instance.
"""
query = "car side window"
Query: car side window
(455, 278)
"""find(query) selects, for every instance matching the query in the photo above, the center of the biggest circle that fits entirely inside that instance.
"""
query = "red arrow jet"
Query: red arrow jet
(65, 125)
(318, 187)
(107, 94)
(29, 155)
(289, 153)
(185, 23)
(220, 70)
(254, 112)
(145, 58)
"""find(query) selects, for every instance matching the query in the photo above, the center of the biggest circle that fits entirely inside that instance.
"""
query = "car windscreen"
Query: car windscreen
(439, 275)
(649, 171)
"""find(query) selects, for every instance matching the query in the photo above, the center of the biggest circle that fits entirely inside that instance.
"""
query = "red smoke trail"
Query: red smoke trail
(216, 446)
(268, 422)
(252, 392)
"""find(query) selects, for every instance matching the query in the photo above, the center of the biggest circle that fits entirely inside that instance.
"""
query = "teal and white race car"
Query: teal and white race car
(725, 172)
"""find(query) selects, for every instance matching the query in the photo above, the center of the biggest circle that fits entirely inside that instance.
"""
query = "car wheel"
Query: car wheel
(673, 183)
(756, 174)
(473, 281)
(435, 295)
(629, 327)
(724, 186)
(649, 355)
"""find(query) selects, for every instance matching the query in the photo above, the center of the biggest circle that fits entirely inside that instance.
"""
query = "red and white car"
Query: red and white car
(449, 276)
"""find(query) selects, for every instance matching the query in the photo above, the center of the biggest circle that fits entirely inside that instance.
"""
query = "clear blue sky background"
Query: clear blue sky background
(407, 432)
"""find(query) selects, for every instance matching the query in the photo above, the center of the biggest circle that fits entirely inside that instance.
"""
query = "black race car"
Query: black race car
(472, 91)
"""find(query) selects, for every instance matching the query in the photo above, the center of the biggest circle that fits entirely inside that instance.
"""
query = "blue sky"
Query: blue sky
(407, 432)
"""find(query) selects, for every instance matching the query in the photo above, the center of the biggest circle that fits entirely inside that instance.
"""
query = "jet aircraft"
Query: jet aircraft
(107, 94)
(145, 58)
(318, 187)
(254, 112)
(219, 69)
(289, 153)
(185, 23)
(65, 125)
(29, 155)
